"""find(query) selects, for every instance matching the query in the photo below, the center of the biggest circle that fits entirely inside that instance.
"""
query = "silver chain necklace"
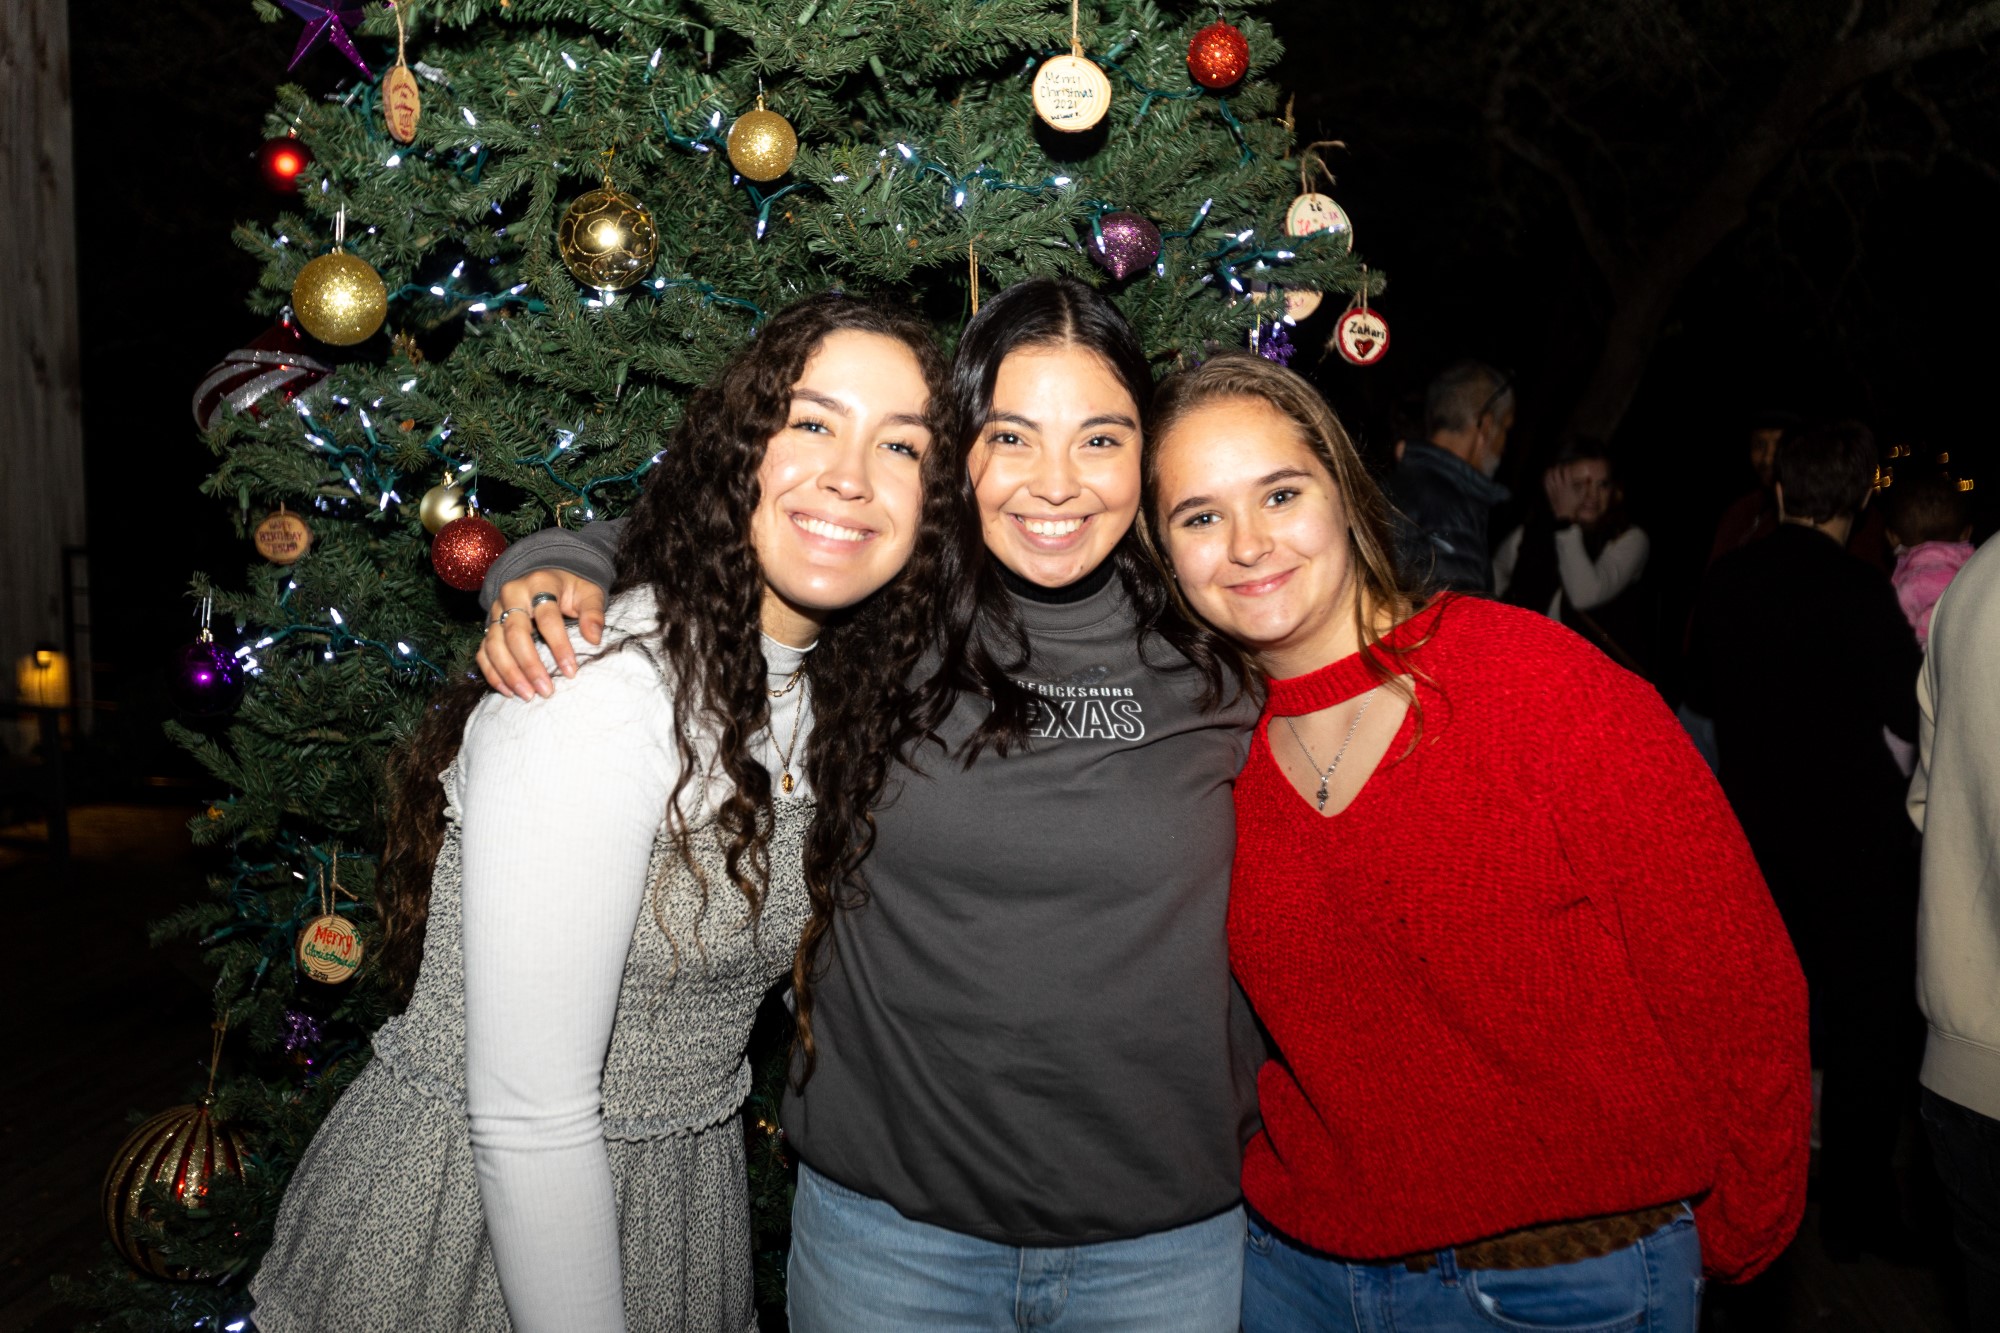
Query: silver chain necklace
(1326, 775)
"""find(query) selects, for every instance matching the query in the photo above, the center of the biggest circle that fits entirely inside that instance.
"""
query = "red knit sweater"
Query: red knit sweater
(1530, 974)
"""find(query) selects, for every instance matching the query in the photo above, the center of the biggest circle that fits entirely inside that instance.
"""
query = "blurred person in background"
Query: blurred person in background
(1755, 513)
(1579, 558)
(1801, 655)
(1930, 525)
(1952, 799)
(1443, 487)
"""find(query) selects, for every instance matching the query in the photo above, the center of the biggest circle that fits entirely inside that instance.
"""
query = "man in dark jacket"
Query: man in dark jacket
(1803, 658)
(1443, 488)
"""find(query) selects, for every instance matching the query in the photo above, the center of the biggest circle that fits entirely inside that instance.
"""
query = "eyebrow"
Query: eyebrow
(1269, 478)
(822, 400)
(1101, 419)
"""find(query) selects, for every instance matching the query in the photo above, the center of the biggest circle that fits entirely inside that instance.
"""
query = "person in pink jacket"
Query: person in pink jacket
(1929, 523)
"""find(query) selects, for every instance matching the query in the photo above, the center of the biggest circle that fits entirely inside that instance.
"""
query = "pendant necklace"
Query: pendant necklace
(798, 724)
(1326, 775)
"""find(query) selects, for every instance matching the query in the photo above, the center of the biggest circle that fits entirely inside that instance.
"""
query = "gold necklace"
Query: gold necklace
(791, 682)
(798, 725)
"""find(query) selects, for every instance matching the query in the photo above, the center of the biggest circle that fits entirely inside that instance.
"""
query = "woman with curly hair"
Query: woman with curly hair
(548, 1134)
(1023, 1077)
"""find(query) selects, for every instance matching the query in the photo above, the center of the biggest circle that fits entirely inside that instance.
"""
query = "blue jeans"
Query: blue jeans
(857, 1264)
(1653, 1284)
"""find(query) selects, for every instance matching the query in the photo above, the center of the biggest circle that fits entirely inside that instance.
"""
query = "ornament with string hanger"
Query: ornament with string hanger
(339, 298)
(401, 102)
(607, 239)
(283, 538)
(184, 1150)
(762, 144)
(1361, 336)
(1072, 93)
(1311, 214)
(329, 949)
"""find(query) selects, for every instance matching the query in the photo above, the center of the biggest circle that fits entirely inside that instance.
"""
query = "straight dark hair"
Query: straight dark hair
(984, 643)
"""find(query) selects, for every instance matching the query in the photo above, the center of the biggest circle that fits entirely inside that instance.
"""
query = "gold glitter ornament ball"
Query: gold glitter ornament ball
(183, 1149)
(340, 299)
(607, 240)
(762, 145)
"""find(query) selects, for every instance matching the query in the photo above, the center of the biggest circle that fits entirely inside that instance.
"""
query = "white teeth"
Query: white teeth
(819, 527)
(1052, 527)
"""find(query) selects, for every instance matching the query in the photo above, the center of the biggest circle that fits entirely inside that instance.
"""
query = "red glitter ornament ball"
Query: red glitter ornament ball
(464, 550)
(1219, 56)
(281, 161)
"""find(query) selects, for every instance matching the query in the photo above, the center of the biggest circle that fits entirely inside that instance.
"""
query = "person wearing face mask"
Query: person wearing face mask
(1443, 488)
(548, 1134)
(1577, 559)
(1539, 1038)
(1024, 1078)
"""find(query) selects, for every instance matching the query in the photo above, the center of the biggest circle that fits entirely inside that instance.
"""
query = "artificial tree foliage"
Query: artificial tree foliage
(922, 170)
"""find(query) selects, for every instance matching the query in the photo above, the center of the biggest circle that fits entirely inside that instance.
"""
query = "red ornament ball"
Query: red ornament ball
(274, 369)
(282, 161)
(464, 550)
(1219, 56)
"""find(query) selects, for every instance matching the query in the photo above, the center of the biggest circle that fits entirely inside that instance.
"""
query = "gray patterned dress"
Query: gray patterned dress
(381, 1226)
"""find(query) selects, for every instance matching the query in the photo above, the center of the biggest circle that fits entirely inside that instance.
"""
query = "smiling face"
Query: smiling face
(1255, 531)
(1056, 466)
(1592, 479)
(840, 489)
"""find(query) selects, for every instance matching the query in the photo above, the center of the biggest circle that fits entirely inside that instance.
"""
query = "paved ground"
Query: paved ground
(105, 1025)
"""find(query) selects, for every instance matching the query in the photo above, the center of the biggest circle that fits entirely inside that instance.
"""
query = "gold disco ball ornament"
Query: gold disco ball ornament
(762, 144)
(340, 299)
(183, 1150)
(607, 240)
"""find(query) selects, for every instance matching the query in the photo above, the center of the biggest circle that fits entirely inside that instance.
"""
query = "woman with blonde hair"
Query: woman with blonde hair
(1540, 1040)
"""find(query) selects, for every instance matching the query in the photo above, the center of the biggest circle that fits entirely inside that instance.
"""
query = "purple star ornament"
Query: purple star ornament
(1125, 244)
(330, 22)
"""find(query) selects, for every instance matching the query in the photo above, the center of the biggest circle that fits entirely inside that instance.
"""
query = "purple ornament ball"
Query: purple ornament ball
(1127, 243)
(206, 680)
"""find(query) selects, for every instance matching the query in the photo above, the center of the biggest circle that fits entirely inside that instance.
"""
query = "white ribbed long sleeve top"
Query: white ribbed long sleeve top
(560, 801)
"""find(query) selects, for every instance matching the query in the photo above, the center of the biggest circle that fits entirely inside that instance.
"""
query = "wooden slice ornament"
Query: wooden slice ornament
(1072, 93)
(1361, 336)
(1310, 214)
(329, 948)
(283, 538)
(401, 102)
(1313, 212)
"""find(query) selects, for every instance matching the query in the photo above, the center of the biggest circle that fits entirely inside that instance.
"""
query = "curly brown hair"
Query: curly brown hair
(688, 543)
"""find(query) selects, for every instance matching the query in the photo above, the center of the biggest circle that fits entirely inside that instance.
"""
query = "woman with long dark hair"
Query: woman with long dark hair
(1023, 1078)
(1539, 1034)
(1579, 558)
(548, 1135)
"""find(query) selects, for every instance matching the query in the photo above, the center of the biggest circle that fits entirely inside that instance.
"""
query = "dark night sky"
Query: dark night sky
(169, 102)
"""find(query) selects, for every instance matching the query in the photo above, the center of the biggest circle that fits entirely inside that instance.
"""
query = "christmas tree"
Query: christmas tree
(523, 230)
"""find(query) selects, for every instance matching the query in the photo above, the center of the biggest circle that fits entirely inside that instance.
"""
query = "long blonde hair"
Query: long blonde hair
(1380, 595)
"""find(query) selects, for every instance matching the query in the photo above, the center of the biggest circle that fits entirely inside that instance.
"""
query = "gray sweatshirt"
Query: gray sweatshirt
(1028, 1032)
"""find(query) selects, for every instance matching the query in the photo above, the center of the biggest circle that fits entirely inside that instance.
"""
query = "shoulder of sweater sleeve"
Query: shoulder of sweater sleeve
(591, 717)
(1544, 669)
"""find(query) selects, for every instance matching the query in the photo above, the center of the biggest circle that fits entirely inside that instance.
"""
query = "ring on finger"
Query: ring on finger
(542, 599)
(501, 619)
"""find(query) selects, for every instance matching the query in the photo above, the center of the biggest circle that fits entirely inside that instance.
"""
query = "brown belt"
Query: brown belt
(1556, 1243)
